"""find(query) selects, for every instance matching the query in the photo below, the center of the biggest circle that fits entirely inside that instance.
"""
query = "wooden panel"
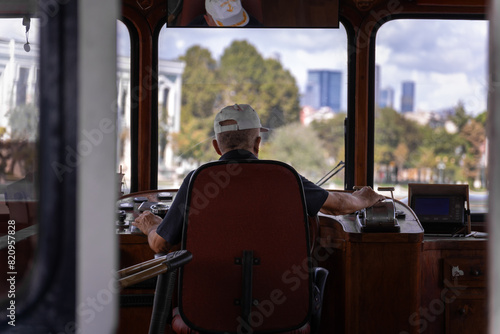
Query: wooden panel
(466, 316)
(465, 271)
(374, 277)
(382, 287)
(449, 304)
(301, 13)
(454, 3)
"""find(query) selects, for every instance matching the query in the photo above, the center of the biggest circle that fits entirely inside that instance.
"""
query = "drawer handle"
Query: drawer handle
(475, 272)
(456, 272)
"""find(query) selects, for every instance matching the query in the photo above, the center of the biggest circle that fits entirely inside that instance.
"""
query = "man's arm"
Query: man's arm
(338, 203)
(148, 222)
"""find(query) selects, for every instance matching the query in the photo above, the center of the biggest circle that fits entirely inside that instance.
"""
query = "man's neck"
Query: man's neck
(239, 153)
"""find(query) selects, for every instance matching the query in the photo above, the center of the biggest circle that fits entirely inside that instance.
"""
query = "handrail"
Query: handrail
(151, 268)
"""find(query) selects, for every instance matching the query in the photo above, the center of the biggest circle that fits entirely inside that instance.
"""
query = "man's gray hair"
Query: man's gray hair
(241, 139)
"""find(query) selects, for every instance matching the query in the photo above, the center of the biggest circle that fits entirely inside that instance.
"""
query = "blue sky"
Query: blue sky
(446, 59)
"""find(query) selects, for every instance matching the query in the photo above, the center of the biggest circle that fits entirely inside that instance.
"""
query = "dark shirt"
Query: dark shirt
(170, 228)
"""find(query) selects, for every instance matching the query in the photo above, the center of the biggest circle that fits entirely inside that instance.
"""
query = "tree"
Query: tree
(475, 136)
(193, 143)
(199, 84)
(300, 147)
(482, 118)
(279, 94)
(264, 84)
(393, 130)
(460, 118)
(242, 76)
(21, 148)
(331, 132)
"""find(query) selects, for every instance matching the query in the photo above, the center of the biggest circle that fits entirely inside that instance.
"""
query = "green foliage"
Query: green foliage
(482, 118)
(242, 76)
(20, 149)
(262, 83)
(193, 143)
(199, 84)
(300, 147)
(393, 131)
(23, 123)
(404, 143)
(460, 118)
(331, 132)
(474, 135)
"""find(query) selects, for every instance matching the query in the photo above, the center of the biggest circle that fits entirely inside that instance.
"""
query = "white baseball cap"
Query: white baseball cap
(227, 13)
(243, 114)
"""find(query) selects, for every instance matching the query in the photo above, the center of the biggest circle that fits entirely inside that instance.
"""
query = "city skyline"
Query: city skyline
(323, 89)
(447, 68)
(450, 67)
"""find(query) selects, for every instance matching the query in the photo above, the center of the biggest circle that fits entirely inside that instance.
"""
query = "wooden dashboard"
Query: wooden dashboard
(394, 282)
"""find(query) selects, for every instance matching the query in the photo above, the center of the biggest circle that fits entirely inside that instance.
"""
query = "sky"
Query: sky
(13, 28)
(447, 60)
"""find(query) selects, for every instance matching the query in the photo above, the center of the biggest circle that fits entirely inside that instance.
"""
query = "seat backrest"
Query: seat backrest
(193, 8)
(252, 209)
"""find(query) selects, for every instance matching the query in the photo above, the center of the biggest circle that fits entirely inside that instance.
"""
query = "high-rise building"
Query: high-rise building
(323, 89)
(407, 96)
(386, 98)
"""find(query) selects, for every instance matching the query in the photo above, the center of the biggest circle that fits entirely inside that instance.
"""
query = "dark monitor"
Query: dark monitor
(436, 207)
(439, 213)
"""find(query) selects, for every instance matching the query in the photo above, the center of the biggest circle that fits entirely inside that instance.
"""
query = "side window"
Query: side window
(296, 80)
(19, 134)
(431, 102)
(123, 107)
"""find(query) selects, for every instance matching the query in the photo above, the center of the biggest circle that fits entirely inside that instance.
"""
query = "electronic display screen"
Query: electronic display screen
(432, 206)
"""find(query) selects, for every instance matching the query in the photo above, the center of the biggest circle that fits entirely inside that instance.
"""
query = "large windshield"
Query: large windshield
(296, 80)
(430, 117)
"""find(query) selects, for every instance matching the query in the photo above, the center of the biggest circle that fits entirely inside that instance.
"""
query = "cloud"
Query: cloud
(298, 49)
(448, 67)
(14, 29)
(444, 46)
(449, 53)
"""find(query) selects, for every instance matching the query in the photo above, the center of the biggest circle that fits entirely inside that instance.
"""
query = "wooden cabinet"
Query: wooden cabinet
(454, 286)
(373, 285)
(401, 282)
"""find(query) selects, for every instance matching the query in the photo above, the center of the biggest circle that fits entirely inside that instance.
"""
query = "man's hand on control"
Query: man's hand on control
(147, 221)
(369, 196)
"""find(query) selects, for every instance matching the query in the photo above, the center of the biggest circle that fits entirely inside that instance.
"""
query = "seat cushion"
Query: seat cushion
(180, 327)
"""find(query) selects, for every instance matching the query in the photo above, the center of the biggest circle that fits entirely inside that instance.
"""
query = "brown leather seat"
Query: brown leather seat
(247, 228)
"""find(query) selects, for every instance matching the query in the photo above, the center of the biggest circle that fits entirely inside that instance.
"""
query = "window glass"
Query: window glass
(431, 102)
(294, 79)
(19, 133)
(123, 106)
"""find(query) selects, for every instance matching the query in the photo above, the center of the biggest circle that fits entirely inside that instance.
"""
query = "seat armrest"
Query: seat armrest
(319, 278)
(154, 267)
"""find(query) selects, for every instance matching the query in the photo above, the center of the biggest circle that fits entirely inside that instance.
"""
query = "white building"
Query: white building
(18, 78)
(19, 75)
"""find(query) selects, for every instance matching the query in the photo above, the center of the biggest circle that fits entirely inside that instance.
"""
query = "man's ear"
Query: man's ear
(215, 144)
(256, 145)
